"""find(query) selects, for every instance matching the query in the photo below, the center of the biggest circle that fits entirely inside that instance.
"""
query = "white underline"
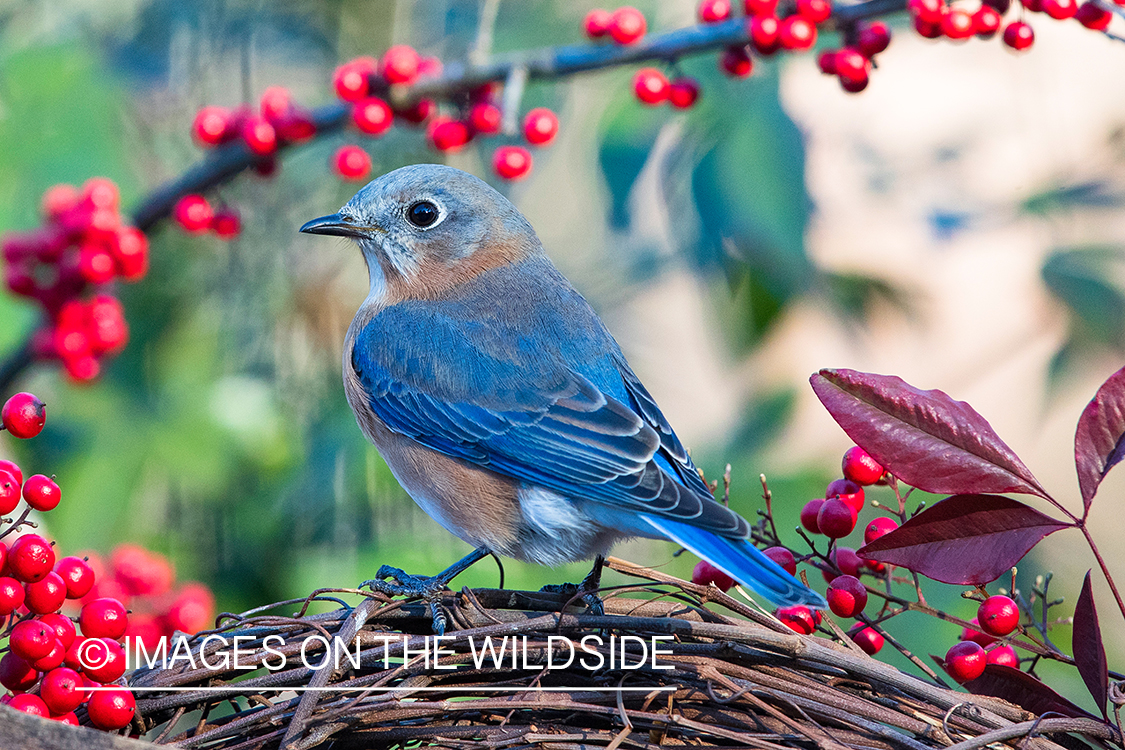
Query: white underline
(330, 689)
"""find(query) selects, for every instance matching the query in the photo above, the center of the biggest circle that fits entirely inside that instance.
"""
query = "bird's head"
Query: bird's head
(423, 229)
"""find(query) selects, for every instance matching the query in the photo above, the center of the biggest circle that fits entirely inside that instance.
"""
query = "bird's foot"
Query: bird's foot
(588, 589)
(393, 581)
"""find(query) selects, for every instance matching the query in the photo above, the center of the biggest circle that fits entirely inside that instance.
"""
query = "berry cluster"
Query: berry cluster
(625, 25)
(278, 121)
(997, 617)
(67, 266)
(195, 215)
(365, 82)
(50, 667)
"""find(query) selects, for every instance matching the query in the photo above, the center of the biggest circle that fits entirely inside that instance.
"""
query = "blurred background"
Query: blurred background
(959, 224)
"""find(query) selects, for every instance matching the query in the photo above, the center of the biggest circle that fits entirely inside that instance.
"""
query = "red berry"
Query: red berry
(103, 618)
(810, 514)
(814, 11)
(41, 492)
(683, 92)
(713, 11)
(826, 61)
(352, 79)
(998, 615)
(597, 23)
(31, 640)
(12, 469)
(846, 596)
(627, 25)
(400, 64)
(760, 7)
(351, 163)
(851, 67)
(77, 575)
(512, 162)
(1093, 16)
(211, 126)
(846, 560)
(47, 595)
(372, 116)
(836, 519)
(868, 639)
(140, 572)
(736, 62)
(540, 126)
(448, 135)
(877, 528)
(62, 626)
(930, 11)
(845, 489)
(796, 33)
(858, 465)
(193, 213)
(226, 223)
(82, 369)
(57, 200)
(872, 39)
(130, 249)
(61, 690)
(53, 659)
(15, 673)
(101, 193)
(783, 558)
(650, 86)
(1019, 35)
(705, 573)
(485, 118)
(258, 135)
(9, 493)
(11, 595)
(798, 619)
(986, 22)
(68, 718)
(976, 635)
(764, 34)
(1005, 656)
(193, 610)
(30, 704)
(965, 661)
(418, 112)
(1060, 9)
(102, 659)
(23, 415)
(957, 24)
(31, 558)
(111, 709)
(95, 264)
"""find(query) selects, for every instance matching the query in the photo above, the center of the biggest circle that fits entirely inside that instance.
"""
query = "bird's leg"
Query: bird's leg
(429, 588)
(588, 588)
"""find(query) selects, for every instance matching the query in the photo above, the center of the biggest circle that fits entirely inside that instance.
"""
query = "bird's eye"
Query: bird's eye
(422, 214)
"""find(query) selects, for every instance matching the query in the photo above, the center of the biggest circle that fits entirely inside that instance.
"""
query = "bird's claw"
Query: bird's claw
(427, 588)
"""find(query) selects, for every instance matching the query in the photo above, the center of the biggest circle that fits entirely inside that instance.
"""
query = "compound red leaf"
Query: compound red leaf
(925, 438)
(1024, 690)
(1099, 442)
(1089, 651)
(964, 539)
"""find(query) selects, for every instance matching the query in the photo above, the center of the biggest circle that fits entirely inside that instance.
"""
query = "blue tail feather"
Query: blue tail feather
(742, 561)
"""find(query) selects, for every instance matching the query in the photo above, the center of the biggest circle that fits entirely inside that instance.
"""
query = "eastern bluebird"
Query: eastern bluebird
(500, 401)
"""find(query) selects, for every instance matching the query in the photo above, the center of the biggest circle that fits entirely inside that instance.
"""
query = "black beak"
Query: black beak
(335, 225)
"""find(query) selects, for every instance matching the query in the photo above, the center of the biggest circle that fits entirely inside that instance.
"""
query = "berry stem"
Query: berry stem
(1105, 569)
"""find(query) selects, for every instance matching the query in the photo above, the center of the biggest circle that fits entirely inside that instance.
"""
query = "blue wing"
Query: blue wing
(531, 388)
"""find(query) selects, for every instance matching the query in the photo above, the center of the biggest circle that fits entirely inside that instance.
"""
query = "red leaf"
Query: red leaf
(1024, 690)
(964, 539)
(924, 438)
(1089, 651)
(1098, 443)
